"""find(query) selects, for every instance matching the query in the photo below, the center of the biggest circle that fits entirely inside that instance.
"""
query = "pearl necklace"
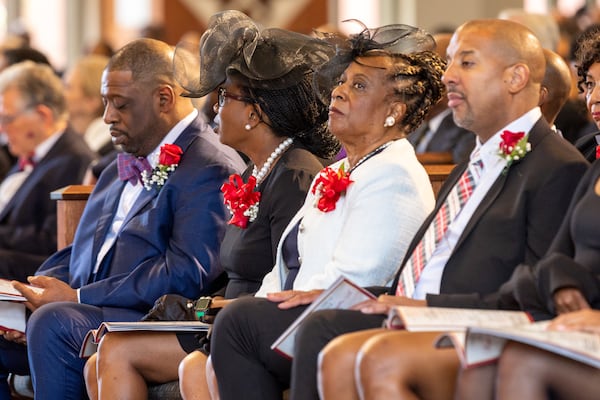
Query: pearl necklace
(260, 175)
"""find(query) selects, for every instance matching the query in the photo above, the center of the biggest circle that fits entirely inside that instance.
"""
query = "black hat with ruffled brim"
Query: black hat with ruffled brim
(234, 44)
(386, 40)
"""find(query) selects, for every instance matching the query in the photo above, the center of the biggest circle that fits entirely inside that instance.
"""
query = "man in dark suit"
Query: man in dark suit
(8, 57)
(439, 137)
(139, 237)
(493, 80)
(556, 87)
(33, 117)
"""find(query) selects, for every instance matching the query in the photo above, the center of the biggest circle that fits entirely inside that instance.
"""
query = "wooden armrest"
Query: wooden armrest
(70, 202)
(72, 192)
(435, 158)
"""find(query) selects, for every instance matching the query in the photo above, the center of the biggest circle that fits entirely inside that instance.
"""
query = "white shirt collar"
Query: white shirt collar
(489, 150)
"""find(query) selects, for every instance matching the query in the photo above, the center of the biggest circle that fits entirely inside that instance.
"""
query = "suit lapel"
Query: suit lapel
(34, 176)
(487, 201)
(109, 208)
(441, 198)
(536, 134)
(184, 140)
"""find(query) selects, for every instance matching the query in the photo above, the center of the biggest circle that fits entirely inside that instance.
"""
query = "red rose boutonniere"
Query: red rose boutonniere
(329, 186)
(241, 200)
(168, 160)
(513, 147)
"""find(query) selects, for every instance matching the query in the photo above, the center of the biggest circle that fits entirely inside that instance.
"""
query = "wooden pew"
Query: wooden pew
(438, 174)
(70, 202)
(435, 158)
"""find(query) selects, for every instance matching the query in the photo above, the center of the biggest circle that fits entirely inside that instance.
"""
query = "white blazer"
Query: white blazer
(366, 236)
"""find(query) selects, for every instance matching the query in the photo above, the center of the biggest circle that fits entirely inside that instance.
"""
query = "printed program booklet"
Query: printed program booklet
(480, 345)
(92, 338)
(9, 293)
(431, 319)
(12, 307)
(342, 294)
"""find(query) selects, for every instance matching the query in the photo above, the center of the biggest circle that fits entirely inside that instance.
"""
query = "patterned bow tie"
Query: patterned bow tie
(131, 167)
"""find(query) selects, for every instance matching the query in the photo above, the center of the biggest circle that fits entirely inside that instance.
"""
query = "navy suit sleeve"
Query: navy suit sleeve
(57, 265)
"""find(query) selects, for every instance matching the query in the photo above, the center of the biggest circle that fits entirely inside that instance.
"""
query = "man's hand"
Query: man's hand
(54, 290)
(385, 302)
(293, 298)
(14, 336)
(584, 320)
(569, 300)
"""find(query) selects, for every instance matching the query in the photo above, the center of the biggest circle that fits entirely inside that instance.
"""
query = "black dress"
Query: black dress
(247, 255)
(573, 260)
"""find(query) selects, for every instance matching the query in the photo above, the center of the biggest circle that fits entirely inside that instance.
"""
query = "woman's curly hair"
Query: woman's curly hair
(416, 74)
(417, 81)
(587, 52)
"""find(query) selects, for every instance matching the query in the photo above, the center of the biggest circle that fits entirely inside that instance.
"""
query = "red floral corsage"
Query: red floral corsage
(513, 147)
(329, 186)
(241, 200)
(168, 160)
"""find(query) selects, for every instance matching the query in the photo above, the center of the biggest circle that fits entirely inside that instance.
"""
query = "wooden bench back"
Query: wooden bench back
(71, 200)
(438, 174)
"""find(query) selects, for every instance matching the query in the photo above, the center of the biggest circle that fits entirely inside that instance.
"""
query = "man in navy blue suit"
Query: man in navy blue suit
(141, 235)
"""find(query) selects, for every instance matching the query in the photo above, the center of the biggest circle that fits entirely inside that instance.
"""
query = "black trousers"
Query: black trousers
(247, 368)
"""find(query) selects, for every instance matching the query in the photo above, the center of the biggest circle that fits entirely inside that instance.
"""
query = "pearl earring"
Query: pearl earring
(389, 122)
(247, 127)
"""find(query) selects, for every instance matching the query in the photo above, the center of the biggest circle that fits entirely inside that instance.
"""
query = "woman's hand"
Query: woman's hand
(220, 302)
(569, 300)
(293, 298)
(14, 336)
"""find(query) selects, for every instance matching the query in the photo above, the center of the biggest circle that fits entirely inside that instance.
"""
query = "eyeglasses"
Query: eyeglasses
(222, 95)
(8, 119)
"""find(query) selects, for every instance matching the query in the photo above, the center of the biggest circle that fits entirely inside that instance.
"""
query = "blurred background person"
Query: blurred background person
(84, 102)
(8, 57)
(556, 87)
(439, 140)
(34, 117)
